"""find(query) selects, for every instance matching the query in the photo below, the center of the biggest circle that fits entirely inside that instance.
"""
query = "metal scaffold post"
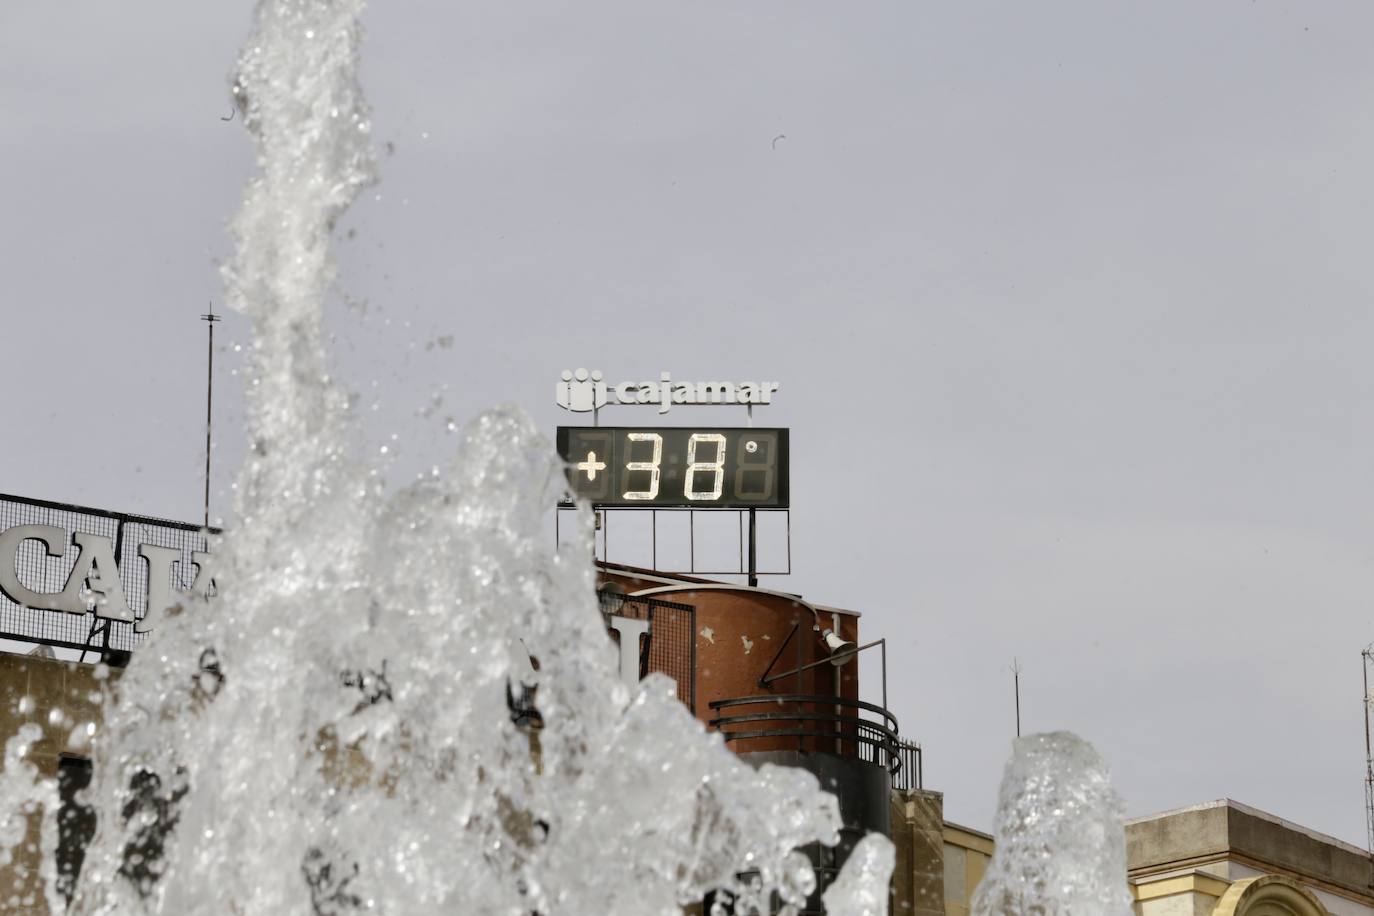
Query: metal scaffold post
(1367, 656)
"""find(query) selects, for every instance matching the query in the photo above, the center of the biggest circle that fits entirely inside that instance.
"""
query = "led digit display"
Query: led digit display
(669, 466)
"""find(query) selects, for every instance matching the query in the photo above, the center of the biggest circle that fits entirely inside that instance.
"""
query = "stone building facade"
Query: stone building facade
(1221, 858)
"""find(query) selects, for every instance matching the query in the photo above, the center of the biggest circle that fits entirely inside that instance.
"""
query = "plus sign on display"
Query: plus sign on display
(658, 467)
(590, 466)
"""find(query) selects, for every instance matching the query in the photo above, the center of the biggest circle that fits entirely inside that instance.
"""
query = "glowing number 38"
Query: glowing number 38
(716, 467)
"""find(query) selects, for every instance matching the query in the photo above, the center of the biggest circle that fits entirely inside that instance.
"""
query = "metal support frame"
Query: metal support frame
(763, 678)
(747, 536)
(753, 549)
(845, 725)
(837, 660)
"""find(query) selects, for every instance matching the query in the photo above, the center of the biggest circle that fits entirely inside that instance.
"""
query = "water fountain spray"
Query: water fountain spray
(330, 736)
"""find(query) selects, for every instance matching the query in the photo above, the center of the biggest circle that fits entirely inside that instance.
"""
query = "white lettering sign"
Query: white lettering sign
(95, 584)
(54, 541)
(629, 630)
(582, 391)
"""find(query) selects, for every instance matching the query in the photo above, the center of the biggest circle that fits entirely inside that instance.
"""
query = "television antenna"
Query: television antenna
(1016, 686)
(209, 318)
(1367, 656)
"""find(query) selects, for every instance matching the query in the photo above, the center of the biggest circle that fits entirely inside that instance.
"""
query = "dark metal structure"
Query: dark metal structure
(75, 821)
(209, 318)
(1367, 656)
(746, 542)
(852, 747)
(716, 467)
(910, 775)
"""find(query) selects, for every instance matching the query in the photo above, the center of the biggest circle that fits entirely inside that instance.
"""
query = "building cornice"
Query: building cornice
(1141, 875)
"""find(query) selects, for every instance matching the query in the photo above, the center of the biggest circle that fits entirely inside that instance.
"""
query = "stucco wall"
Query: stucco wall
(966, 856)
(918, 877)
(1235, 841)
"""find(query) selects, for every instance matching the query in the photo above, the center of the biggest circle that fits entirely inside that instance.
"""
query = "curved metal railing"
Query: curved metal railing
(816, 718)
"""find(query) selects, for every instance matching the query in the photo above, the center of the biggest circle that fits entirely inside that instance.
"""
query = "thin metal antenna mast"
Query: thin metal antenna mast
(753, 524)
(1367, 656)
(1016, 681)
(209, 320)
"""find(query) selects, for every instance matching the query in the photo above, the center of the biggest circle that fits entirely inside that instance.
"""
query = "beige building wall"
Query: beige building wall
(966, 856)
(1226, 858)
(1261, 894)
(1198, 891)
(1217, 859)
(63, 698)
(1335, 904)
(918, 880)
(1194, 894)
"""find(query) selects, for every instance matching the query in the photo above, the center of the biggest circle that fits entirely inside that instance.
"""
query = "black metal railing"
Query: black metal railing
(825, 723)
(908, 774)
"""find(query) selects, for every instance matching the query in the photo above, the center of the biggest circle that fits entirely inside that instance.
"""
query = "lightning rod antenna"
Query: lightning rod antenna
(1367, 656)
(1016, 683)
(209, 320)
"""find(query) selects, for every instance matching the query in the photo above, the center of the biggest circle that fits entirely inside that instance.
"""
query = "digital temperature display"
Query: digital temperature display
(658, 467)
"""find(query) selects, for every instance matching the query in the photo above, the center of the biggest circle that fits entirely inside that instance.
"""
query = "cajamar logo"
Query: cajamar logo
(581, 391)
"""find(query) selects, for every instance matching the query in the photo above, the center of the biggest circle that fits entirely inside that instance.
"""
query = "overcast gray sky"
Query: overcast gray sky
(1068, 300)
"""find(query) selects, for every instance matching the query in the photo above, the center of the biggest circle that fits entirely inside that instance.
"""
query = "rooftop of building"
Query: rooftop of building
(654, 579)
(1226, 829)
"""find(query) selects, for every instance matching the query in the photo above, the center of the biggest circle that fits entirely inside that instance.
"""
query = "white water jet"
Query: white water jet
(1060, 844)
(23, 793)
(330, 735)
(862, 888)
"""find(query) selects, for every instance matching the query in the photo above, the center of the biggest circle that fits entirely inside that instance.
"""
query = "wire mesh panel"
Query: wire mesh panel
(37, 569)
(671, 646)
